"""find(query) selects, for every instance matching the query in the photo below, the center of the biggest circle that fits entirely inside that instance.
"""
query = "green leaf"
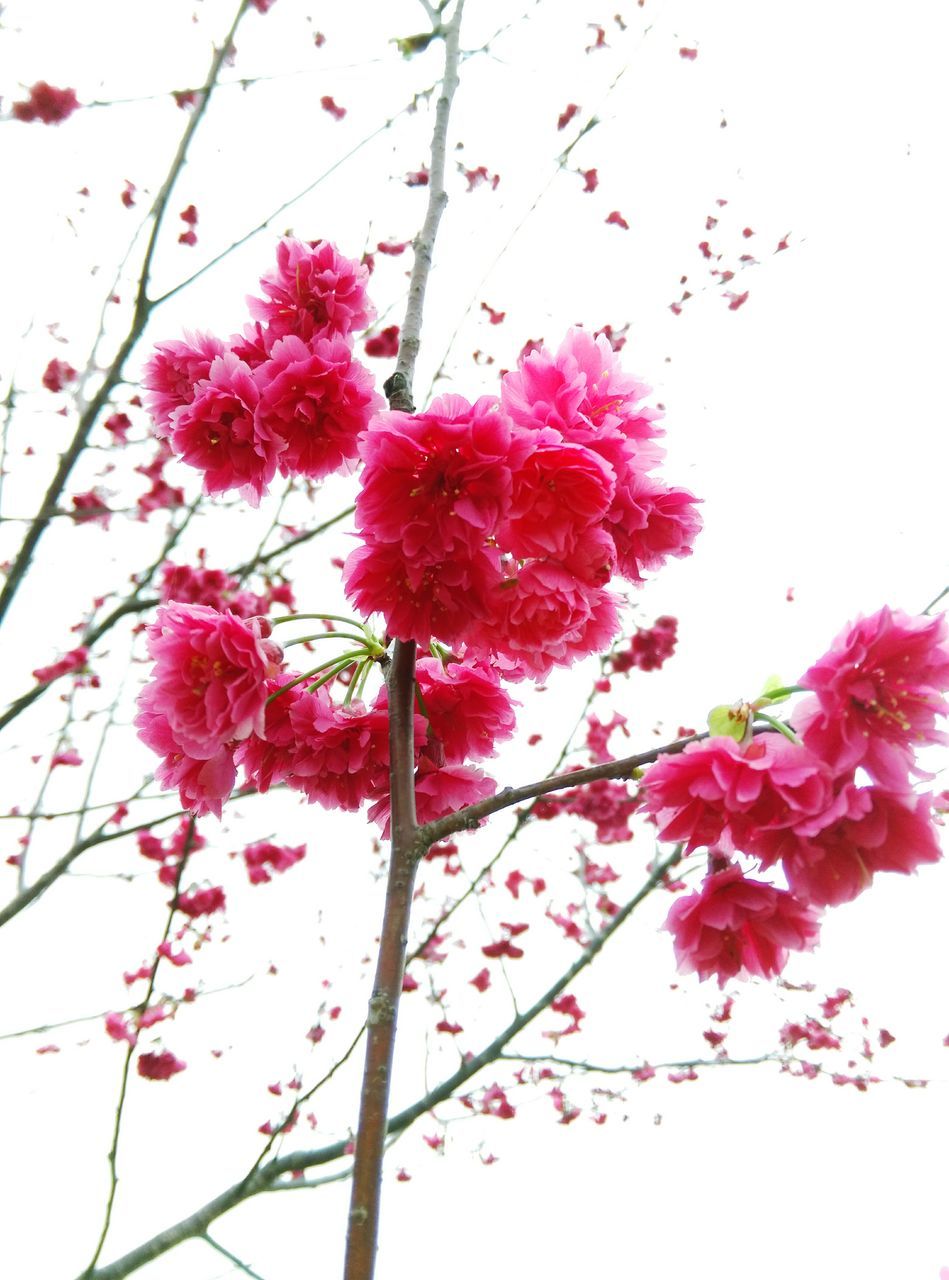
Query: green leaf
(728, 722)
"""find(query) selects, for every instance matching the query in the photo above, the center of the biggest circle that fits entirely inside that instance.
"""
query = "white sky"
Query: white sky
(812, 421)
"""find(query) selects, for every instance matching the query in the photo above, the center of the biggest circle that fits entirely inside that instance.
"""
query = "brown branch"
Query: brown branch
(473, 814)
(130, 1050)
(142, 310)
(197, 1223)
(363, 1230)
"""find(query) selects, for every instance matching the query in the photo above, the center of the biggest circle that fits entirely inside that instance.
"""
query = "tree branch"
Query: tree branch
(264, 1178)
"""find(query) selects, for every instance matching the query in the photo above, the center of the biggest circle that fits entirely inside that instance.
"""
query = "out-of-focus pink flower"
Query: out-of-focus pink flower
(220, 433)
(736, 927)
(69, 757)
(46, 104)
(314, 292)
(384, 344)
(56, 375)
(201, 902)
(74, 660)
(649, 647)
(208, 682)
(719, 791)
(877, 694)
(159, 1066)
(263, 858)
(315, 402)
(91, 507)
(119, 424)
(174, 371)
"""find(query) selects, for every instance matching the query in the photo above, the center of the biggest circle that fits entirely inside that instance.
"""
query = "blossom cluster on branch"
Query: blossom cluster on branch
(832, 807)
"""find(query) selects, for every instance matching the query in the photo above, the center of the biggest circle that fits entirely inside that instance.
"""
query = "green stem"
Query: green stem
(780, 726)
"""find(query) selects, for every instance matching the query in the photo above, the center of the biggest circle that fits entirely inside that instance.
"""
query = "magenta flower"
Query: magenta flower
(173, 372)
(422, 598)
(262, 858)
(159, 1066)
(438, 482)
(315, 401)
(878, 831)
(583, 393)
(46, 104)
(202, 785)
(342, 753)
(717, 791)
(466, 709)
(735, 927)
(546, 618)
(220, 433)
(560, 490)
(438, 792)
(74, 660)
(208, 684)
(878, 693)
(649, 522)
(314, 292)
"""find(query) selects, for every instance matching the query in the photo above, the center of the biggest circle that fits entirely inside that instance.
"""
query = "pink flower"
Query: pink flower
(74, 660)
(219, 432)
(421, 598)
(202, 784)
(878, 692)
(559, 491)
(201, 902)
(439, 792)
(879, 831)
(208, 682)
(314, 291)
(548, 618)
(718, 791)
(212, 587)
(69, 757)
(262, 858)
(49, 105)
(119, 424)
(159, 1066)
(57, 373)
(267, 757)
(117, 1028)
(438, 481)
(649, 521)
(384, 344)
(735, 927)
(315, 401)
(649, 647)
(173, 372)
(91, 507)
(583, 393)
(466, 709)
(342, 753)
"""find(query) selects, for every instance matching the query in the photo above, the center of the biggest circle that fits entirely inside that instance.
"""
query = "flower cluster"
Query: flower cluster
(801, 804)
(498, 525)
(284, 395)
(46, 104)
(208, 692)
